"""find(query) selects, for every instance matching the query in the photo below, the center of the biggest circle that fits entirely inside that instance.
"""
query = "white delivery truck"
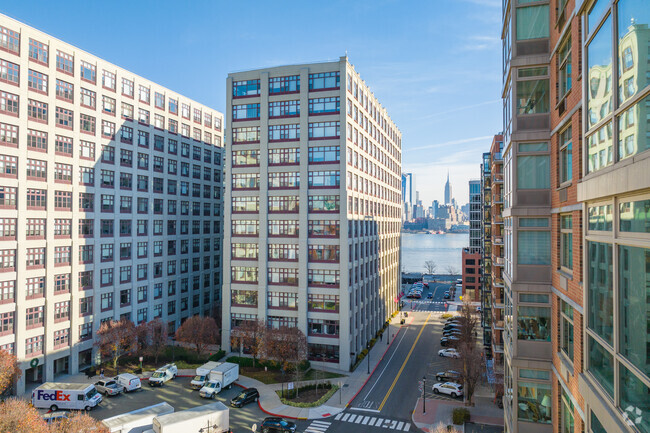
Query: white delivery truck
(55, 396)
(222, 376)
(202, 374)
(137, 421)
(213, 417)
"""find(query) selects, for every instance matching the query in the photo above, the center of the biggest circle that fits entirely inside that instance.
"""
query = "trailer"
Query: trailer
(137, 421)
(202, 374)
(214, 417)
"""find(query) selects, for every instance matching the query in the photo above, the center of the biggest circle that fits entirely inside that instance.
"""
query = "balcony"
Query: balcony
(497, 282)
(497, 219)
(497, 347)
(497, 178)
(498, 324)
(497, 198)
(498, 241)
(499, 261)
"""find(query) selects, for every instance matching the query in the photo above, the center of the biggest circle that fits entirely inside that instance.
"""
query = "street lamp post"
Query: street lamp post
(368, 355)
(424, 394)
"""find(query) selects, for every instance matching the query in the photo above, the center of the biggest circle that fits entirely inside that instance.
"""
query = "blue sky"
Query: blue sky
(434, 64)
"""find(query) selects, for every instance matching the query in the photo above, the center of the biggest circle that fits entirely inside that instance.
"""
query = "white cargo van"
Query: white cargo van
(202, 374)
(55, 396)
(129, 381)
(215, 415)
(137, 421)
(163, 374)
(222, 376)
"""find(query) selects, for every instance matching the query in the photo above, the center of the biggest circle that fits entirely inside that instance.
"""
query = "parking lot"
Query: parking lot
(177, 393)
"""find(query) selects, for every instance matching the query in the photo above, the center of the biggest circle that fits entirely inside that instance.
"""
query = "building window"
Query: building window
(88, 72)
(38, 51)
(282, 300)
(534, 402)
(323, 303)
(63, 118)
(325, 105)
(324, 179)
(9, 72)
(35, 316)
(37, 81)
(323, 328)
(284, 84)
(533, 22)
(326, 80)
(8, 166)
(64, 62)
(323, 253)
(566, 155)
(601, 365)
(533, 95)
(9, 40)
(247, 111)
(324, 130)
(243, 274)
(34, 346)
(87, 124)
(566, 329)
(600, 292)
(324, 203)
(37, 111)
(7, 323)
(7, 229)
(323, 278)
(35, 287)
(324, 154)
(88, 98)
(566, 241)
(286, 156)
(245, 88)
(283, 204)
(564, 68)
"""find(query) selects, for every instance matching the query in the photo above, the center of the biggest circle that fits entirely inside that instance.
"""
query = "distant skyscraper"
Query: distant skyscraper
(448, 191)
(408, 187)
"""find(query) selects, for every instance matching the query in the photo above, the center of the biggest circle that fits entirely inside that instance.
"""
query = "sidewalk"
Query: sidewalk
(484, 411)
(351, 385)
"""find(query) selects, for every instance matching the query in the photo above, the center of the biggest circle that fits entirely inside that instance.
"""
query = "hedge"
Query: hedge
(245, 361)
(460, 415)
(320, 401)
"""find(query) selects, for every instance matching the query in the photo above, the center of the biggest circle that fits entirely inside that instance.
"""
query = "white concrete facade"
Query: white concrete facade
(312, 236)
(73, 124)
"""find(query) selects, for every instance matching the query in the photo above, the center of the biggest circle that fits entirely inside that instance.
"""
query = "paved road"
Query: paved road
(387, 400)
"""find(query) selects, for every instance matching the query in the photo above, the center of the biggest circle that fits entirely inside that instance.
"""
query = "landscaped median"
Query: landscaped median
(312, 395)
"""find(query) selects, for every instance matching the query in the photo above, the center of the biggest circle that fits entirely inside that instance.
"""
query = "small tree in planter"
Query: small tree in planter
(152, 337)
(115, 339)
(251, 334)
(199, 331)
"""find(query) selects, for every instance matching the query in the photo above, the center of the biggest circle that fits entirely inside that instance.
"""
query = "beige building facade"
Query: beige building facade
(312, 232)
(110, 202)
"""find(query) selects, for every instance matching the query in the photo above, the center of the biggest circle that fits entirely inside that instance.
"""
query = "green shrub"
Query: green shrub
(290, 394)
(446, 315)
(460, 415)
(217, 356)
(244, 361)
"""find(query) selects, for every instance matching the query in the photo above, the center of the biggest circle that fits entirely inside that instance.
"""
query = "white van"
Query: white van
(129, 381)
(163, 374)
(55, 396)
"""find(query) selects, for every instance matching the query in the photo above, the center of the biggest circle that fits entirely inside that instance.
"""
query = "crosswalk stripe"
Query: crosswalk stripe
(338, 417)
(315, 430)
(365, 420)
(345, 417)
(399, 426)
(359, 419)
(393, 424)
(407, 427)
(352, 417)
(372, 421)
(323, 423)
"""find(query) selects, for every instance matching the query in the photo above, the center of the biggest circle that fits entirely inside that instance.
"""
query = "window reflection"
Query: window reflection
(533, 323)
(600, 290)
(600, 73)
(633, 44)
(601, 365)
(600, 148)
(534, 402)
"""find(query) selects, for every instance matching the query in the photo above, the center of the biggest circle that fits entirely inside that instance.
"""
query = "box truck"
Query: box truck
(137, 421)
(55, 396)
(222, 376)
(202, 374)
(213, 417)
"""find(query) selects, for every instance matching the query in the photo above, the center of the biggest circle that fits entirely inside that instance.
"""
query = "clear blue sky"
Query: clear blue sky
(434, 64)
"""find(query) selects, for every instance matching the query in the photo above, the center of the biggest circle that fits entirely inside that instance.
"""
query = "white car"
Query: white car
(449, 353)
(449, 388)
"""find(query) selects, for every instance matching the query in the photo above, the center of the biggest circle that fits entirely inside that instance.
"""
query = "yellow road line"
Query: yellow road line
(404, 364)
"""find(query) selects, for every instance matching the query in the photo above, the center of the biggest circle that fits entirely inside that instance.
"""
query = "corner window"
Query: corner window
(533, 22)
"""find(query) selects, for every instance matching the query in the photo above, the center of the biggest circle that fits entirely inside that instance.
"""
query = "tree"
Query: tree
(199, 331)
(9, 371)
(452, 271)
(287, 345)
(115, 339)
(471, 363)
(17, 416)
(152, 337)
(251, 335)
(430, 266)
(78, 423)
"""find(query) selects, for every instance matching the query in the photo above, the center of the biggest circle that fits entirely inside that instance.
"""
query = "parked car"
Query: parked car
(274, 424)
(446, 341)
(430, 296)
(449, 353)
(246, 396)
(163, 374)
(478, 309)
(455, 319)
(449, 388)
(450, 332)
(450, 326)
(129, 381)
(447, 295)
(109, 387)
(57, 416)
(447, 376)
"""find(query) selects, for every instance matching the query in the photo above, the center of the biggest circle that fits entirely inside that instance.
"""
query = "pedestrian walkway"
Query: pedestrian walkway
(374, 421)
(437, 412)
(318, 427)
(350, 386)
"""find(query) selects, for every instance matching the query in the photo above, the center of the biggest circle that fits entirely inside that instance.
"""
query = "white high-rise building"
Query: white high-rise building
(110, 202)
(313, 223)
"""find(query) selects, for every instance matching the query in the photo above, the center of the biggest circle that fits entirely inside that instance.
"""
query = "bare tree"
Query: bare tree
(18, 416)
(199, 331)
(430, 266)
(471, 363)
(152, 337)
(452, 270)
(251, 335)
(115, 339)
(9, 371)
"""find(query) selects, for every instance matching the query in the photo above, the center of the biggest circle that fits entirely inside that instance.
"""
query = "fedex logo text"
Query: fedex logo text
(56, 395)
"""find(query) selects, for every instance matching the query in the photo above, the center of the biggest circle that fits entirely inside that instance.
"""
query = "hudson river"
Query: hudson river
(445, 250)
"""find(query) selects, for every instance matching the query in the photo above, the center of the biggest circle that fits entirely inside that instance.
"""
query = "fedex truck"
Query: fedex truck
(55, 396)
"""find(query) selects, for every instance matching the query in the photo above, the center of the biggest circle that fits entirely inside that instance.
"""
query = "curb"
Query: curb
(373, 370)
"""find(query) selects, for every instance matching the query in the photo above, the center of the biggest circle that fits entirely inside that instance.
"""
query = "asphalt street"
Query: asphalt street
(388, 398)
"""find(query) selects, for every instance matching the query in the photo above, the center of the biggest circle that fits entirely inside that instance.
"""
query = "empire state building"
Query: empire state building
(447, 191)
